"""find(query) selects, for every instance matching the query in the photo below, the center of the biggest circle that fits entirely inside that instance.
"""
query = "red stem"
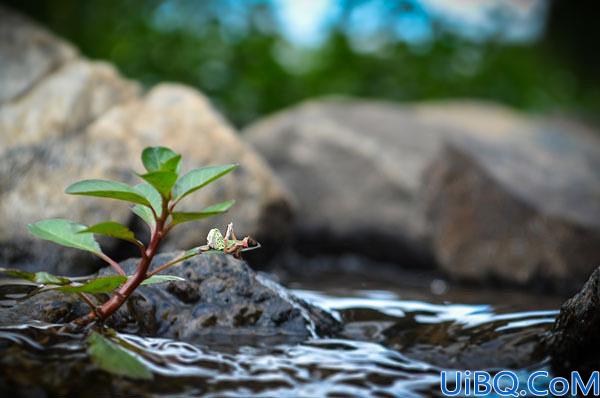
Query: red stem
(112, 263)
(121, 295)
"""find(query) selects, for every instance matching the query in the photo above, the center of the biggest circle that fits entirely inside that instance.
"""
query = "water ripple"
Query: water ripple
(383, 352)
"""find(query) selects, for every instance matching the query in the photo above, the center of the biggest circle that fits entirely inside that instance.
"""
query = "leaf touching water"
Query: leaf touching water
(107, 189)
(66, 233)
(115, 359)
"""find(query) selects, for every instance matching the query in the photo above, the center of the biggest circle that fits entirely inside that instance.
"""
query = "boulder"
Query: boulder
(484, 191)
(80, 119)
(63, 103)
(481, 230)
(517, 202)
(27, 54)
(573, 342)
(355, 172)
(221, 299)
(181, 118)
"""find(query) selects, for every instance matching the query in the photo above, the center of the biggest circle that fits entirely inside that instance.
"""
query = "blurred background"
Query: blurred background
(454, 135)
(253, 57)
(427, 169)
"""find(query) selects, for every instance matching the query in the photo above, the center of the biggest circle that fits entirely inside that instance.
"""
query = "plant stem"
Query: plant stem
(87, 300)
(123, 293)
(184, 256)
(112, 263)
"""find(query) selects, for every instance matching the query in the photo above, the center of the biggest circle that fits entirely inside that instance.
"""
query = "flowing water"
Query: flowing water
(395, 342)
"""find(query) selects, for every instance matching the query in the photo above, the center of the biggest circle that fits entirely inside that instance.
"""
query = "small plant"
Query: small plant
(155, 202)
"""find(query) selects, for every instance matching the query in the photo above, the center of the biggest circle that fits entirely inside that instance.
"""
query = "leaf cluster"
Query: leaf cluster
(154, 201)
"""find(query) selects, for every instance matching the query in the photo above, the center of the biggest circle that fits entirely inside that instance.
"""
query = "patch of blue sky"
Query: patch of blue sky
(374, 23)
(309, 22)
(369, 22)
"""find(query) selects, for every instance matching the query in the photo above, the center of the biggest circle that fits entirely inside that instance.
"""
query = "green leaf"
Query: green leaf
(66, 233)
(152, 196)
(192, 252)
(198, 178)
(155, 279)
(113, 230)
(145, 214)
(173, 164)
(115, 359)
(163, 181)
(159, 158)
(219, 208)
(107, 189)
(104, 284)
(36, 277)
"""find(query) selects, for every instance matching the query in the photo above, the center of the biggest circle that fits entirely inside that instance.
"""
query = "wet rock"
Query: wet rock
(220, 301)
(484, 191)
(80, 119)
(573, 342)
(449, 345)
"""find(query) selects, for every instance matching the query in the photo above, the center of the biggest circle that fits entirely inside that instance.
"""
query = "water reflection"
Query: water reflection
(389, 348)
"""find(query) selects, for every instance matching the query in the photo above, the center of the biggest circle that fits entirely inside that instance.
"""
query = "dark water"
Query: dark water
(395, 342)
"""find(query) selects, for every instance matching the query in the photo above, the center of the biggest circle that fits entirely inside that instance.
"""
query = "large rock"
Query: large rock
(518, 202)
(81, 119)
(483, 230)
(63, 103)
(573, 343)
(182, 119)
(489, 193)
(355, 170)
(27, 54)
(220, 299)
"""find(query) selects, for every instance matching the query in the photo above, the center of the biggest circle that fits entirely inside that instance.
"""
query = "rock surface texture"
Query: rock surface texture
(573, 343)
(222, 303)
(489, 194)
(64, 118)
(27, 54)
(220, 299)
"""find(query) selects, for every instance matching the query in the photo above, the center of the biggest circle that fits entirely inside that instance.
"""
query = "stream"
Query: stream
(397, 338)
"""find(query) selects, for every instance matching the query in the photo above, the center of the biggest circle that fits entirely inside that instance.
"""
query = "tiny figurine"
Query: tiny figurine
(229, 244)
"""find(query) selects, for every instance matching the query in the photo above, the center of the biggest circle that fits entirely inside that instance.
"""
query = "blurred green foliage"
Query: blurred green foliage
(248, 69)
